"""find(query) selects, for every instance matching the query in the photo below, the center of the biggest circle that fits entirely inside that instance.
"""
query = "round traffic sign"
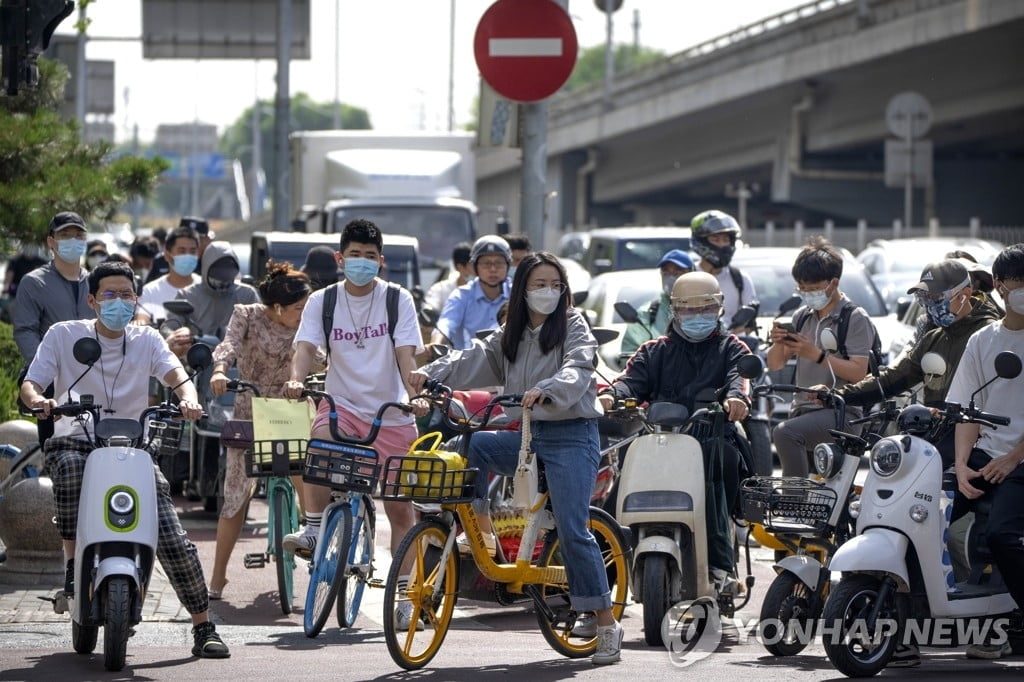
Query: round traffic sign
(525, 49)
(908, 115)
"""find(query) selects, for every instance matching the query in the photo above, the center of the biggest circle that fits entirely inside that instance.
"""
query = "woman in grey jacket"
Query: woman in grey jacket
(546, 352)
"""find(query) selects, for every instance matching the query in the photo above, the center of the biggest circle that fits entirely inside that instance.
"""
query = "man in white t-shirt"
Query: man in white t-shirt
(182, 252)
(714, 236)
(365, 368)
(988, 460)
(118, 382)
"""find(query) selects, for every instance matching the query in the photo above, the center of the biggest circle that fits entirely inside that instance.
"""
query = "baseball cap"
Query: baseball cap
(200, 225)
(64, 220)
(940, 277)
(677, 257)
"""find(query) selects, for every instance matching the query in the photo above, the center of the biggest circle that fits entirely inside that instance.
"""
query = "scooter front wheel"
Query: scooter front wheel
(788, 615)
(855, 649)
(656, 576)
(117, 610)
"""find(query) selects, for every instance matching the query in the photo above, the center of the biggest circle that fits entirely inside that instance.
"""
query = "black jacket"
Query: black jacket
(675, 370)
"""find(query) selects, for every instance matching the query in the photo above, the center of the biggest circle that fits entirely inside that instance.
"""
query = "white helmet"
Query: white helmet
(696, 290)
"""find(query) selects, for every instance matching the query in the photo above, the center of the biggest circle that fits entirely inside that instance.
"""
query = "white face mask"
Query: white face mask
(1015, 300)
(543, 301)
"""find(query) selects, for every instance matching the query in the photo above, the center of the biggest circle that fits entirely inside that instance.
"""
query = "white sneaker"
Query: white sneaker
(303, 544)
(586, 626)
(989, 652)
(725, 583)
(403, 618)
(609, 645)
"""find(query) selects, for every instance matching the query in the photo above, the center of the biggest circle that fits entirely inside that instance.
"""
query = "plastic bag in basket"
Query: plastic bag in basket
(421, 476)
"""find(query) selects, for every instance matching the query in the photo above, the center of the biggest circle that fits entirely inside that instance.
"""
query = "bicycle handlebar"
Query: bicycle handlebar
(239, 386)
(332, 416)
(442, 395)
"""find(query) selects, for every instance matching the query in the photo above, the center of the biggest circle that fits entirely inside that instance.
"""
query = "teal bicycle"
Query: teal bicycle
(275, 461)
(342, 563)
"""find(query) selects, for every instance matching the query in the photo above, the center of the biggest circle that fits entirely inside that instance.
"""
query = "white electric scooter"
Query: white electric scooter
(662, 500)
(897, 567)
(117, 531)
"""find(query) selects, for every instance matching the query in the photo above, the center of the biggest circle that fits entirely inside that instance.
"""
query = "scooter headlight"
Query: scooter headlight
(886, 456)
(827, 459)
(122, 503)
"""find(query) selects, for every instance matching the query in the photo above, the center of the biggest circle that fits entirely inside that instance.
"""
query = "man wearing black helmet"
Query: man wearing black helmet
(474, 306)
(714, 239)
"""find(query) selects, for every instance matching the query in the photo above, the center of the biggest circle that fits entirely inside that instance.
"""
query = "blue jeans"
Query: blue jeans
(570, 452)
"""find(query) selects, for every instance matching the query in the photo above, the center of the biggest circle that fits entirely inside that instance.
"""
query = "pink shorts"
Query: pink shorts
(390, 441)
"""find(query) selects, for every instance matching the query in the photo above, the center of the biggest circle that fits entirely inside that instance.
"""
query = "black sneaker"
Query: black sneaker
(69, 579)
(208, 642)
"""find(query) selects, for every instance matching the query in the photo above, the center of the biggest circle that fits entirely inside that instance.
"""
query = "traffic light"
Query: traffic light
(25, 30)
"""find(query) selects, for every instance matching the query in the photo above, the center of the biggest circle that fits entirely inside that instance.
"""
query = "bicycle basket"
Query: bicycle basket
(789, 504)
(436, 476)
(275, 458)
(166, 437)
(341, 466)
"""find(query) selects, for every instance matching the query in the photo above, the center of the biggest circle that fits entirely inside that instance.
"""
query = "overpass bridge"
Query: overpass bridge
(793, 108)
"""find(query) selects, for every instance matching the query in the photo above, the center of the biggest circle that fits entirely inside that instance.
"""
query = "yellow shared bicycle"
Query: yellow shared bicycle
(428, 555)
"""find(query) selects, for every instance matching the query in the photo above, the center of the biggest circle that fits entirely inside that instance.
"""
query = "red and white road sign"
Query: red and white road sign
(525, 49)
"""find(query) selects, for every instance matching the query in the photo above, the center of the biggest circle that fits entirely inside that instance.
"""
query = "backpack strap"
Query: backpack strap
(330, 301)
(391, 302)
(801, 316)
(842, 327)
(737, 280)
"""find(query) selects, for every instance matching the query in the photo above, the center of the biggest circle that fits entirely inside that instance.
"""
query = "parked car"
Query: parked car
(896, 264)
(613, 249)
(634, 286)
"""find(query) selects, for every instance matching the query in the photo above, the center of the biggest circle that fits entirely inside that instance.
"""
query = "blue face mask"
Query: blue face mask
(71, 250)
(184, 264)
(361, 271)
(940, 312)
(697, 327)
(115, 315)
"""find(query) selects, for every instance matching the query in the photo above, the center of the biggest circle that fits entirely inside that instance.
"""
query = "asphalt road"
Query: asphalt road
(486, 640)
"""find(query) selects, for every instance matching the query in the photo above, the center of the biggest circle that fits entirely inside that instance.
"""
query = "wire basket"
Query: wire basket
(275, 458)
(788, 504)
(341, 466)
(427, 479)
(166, 437)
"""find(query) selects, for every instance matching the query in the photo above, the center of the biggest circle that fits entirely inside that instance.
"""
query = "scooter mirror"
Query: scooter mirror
(789, 305)
(484, 333)
(1007, 364)
(183, 308)
(932, 365)
(603, 335)
(199, 356)
(87, 350)
(750, 366)
(578, 297)
(627, 312)
(829, 341)
(744, 317)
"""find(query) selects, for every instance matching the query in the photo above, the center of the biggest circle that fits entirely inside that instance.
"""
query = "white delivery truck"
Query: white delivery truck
(419, 185)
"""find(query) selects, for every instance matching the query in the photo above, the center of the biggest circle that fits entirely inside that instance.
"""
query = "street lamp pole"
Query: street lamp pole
(282, 106)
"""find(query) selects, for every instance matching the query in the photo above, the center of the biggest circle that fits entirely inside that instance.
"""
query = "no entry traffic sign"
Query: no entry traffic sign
(525, 49)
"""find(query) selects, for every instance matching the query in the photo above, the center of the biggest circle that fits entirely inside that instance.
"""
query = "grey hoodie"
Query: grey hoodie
(43, 299)
(566, 378)
(212, 309)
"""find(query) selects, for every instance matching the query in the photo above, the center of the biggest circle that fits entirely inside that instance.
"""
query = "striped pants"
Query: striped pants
(65, 464)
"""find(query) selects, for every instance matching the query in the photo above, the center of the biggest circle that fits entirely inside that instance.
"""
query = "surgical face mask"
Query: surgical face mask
(543, 301)
(94, 260)
(697, 327)
(184, 264)
(1014, 300)
(667, 282)
(115, 315)
(815, 300)
(361, 271)
(71, 250)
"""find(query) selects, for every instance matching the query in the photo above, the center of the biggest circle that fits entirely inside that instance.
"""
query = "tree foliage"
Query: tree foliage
(589, 69)
(45, 167)
(236, 142)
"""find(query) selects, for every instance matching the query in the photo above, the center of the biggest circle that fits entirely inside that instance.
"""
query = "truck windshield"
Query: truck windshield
(438, 228)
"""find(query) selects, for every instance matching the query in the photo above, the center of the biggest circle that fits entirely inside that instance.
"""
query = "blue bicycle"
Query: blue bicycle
(342, 563)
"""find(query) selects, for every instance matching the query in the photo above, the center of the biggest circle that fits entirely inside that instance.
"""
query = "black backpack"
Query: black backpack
(331, 300)
(842, 328)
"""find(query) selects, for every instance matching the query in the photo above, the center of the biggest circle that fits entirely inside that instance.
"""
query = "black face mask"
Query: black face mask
(218, 284)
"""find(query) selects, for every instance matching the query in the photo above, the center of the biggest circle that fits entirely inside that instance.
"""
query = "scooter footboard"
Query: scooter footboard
(875, 550)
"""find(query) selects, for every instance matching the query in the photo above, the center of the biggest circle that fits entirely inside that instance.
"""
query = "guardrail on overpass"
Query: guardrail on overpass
(856, 237)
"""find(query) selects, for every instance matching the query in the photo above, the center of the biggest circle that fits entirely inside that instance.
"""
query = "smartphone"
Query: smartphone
(788, 326)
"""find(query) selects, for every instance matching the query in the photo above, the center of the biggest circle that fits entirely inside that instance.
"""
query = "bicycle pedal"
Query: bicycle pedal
(255, 560)
(375, 582)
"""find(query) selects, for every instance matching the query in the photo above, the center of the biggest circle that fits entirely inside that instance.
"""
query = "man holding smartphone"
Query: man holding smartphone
(817, 271)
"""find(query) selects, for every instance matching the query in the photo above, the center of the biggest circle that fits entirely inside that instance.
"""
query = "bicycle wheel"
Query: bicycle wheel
(360, 559)
(557, 621)
(325, 578)
(283, 501)
(429, 599)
